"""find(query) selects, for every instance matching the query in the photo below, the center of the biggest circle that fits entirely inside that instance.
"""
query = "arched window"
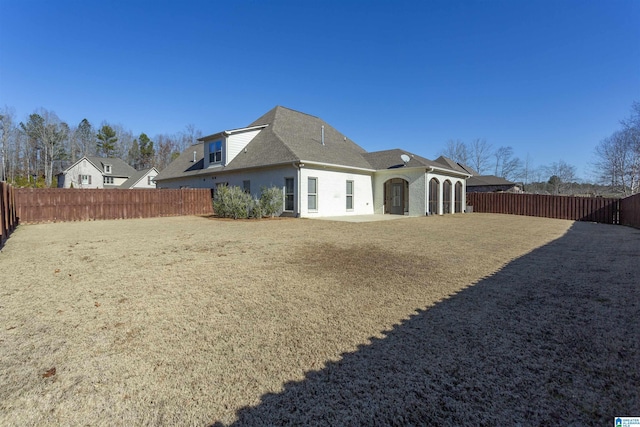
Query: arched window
(446, 197)
(434, 187)
(458, 197)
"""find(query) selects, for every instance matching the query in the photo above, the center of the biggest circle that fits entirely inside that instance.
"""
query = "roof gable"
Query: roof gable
(137, 177)
(119, 167)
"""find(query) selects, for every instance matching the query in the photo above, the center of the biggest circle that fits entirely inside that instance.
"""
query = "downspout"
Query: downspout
(298, 202)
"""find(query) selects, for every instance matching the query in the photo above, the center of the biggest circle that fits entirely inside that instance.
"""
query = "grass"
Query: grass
(194, 321)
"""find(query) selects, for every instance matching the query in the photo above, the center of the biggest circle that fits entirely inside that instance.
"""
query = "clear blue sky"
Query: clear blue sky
(549, 78)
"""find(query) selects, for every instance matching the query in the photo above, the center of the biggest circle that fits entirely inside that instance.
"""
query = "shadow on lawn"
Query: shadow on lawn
(552, 338)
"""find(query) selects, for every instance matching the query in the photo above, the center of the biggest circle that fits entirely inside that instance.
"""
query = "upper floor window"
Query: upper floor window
(215, 152)
(85, 179)
(150, 180)
(107, 180)
(107, 168)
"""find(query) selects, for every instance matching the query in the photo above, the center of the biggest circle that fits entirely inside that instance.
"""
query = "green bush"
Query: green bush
(233, 202)
(271, 201)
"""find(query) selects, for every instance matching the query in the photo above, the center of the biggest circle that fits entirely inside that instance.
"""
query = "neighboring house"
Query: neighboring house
(492, 184)
(99, 172)
(142, 179)
(321, 171)
(481, 183)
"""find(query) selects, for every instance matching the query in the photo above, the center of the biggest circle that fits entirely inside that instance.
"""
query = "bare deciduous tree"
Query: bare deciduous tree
(457, 151)
(479, 155)
(561, 176)
(507, 165)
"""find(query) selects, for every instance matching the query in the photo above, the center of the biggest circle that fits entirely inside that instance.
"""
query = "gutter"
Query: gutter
(332, 165)
(448, 171)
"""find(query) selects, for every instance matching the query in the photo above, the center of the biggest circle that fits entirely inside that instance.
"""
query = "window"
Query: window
(215, 152)
(349, 195)
(85, 179)
(107, 169)
(246, 186)
(312, 194)
(150, 180)
(107, 180)
(288, 194)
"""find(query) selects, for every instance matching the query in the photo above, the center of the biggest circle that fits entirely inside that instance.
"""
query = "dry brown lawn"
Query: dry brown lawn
(467, 319)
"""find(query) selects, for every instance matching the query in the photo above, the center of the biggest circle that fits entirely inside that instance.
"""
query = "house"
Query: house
(321, 171)
(102, 172)
(481, 183)
(142, 179)
(492, 184)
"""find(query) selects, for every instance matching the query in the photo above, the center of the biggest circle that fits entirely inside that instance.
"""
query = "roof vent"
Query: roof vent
(322, 134)
(194, 157)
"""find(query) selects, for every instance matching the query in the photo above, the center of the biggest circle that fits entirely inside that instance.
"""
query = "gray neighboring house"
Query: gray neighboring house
(101, 172)
(320, 170)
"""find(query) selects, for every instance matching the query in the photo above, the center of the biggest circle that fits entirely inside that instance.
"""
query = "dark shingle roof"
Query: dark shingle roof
(184, 166)
(452, 164)
(119, 168)
(295, 136)
(482, 180)
(292, 136)
(390, 159)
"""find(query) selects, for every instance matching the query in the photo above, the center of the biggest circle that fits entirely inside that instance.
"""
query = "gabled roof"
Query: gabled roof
(119, 168)
(390, 159)
(295, 136)
(289, 136)
(452, 164)
(136, 177)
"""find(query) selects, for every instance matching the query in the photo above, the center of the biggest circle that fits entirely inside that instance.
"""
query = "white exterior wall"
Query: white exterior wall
(236, 143)
(84, 167)
(415, 177)
(332, 192)
(258, 178)
(441, 179)
(144, 181)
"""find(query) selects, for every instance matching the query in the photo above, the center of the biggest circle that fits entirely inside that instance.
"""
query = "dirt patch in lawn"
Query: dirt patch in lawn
(422, 320)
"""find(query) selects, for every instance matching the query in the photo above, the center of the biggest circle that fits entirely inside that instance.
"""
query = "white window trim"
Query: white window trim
(216, 162)
(350, 209)
(312, 194)
(285, 194)
(107, 168)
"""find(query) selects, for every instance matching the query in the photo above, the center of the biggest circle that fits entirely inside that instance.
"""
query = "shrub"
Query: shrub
(271, 200)
(232, 202)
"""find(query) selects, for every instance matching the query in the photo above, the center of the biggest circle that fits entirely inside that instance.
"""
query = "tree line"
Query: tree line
(616, 165)
(34, 150)
(555, 178)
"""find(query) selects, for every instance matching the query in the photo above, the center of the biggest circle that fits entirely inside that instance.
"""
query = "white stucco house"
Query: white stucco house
(103, 172)
(321, 171)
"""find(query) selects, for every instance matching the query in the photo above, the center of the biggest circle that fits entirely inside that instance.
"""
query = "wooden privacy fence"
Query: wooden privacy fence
(8, 218)
(596, 209)
(67, 204)
(630, 211)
